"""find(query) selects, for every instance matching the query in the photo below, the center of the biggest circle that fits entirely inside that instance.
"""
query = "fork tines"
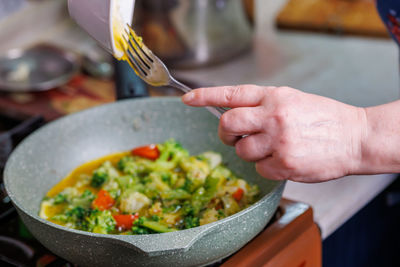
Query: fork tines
(137, 53)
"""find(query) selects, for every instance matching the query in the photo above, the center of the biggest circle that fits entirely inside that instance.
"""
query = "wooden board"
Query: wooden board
(358, 17)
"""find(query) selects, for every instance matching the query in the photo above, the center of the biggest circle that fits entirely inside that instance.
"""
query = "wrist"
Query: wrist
(380, 142)
(363, 154)
(359, 141)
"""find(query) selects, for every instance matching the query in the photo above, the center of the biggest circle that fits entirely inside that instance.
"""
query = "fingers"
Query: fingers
(227, 96)
(254, 147)
(238, 122)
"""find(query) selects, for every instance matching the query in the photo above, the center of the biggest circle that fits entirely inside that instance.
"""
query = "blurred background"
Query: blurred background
(204, 42)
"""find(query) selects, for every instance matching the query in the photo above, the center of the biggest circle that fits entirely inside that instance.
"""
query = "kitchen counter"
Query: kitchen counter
(358, 71)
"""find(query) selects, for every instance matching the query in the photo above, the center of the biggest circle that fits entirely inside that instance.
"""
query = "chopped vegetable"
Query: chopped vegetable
(137, 230)
(176, 194)
(101, 222)
(101, 175)
(152, 189)
(133, 202)
(149, 152)
(209, 216)
(153, 225)
(190, 222)
(214, 159)
(196, 171)
(85, 200)
(230, 205)
(238, 194)
(104, 201)
(125, 221)
(98, 179)
(60, 198)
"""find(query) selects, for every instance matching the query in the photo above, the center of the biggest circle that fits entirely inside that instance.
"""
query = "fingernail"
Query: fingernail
(188, 97)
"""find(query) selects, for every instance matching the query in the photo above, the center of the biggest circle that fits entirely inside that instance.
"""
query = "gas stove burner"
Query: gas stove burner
(15, 252)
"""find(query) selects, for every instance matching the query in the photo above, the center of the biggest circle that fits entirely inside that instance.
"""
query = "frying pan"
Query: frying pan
(48, 154)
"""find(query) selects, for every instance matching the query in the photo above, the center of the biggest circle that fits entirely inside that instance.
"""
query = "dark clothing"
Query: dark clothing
(390, 14)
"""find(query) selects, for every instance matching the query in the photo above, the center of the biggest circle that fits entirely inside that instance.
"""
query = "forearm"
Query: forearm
(381, 140)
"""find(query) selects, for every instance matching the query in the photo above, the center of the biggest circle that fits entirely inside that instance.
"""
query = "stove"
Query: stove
(290, 239)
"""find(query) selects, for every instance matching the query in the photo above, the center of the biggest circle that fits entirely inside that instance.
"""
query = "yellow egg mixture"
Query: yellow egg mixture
(151, 189)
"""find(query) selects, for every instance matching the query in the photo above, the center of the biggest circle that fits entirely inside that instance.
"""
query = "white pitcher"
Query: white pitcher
(101, 17)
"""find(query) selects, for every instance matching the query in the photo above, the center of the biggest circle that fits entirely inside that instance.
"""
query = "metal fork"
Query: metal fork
(151, 69)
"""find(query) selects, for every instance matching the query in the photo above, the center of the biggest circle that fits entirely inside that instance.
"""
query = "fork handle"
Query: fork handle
(217, 111)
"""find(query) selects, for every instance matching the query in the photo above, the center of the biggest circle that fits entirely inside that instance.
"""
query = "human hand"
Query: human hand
(289, 134)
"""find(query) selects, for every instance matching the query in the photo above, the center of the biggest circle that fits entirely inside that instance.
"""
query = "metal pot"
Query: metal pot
(47, 155)
(193, 33)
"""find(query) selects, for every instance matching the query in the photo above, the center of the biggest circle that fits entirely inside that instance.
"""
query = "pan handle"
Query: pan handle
(160, 244)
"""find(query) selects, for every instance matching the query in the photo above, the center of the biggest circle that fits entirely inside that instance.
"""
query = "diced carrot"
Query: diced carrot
(104, 201)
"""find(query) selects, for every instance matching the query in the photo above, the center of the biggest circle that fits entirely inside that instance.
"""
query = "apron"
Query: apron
(389, 11)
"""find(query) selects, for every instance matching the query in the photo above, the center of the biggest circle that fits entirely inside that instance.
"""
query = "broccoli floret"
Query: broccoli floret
(84, 200)
(123, 162)
(60, 198)
(137, 230)
(105, 172)
(134, 166)
(101, 222)
(187, 209)
(75, 217)
(76, 214)
(65, 196)
(140, 221)
(190, 222)
(98, 179)
(126, 181)
(171, 153)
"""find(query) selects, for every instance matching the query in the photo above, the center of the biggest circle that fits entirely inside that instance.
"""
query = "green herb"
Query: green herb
(60, 198)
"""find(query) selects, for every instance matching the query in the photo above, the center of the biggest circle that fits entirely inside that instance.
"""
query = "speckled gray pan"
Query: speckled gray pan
(47, 155)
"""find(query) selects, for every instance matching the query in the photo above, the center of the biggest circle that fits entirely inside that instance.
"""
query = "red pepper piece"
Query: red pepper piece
(125, 221)
(238, 194)
(150, 152)
(104, 201)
